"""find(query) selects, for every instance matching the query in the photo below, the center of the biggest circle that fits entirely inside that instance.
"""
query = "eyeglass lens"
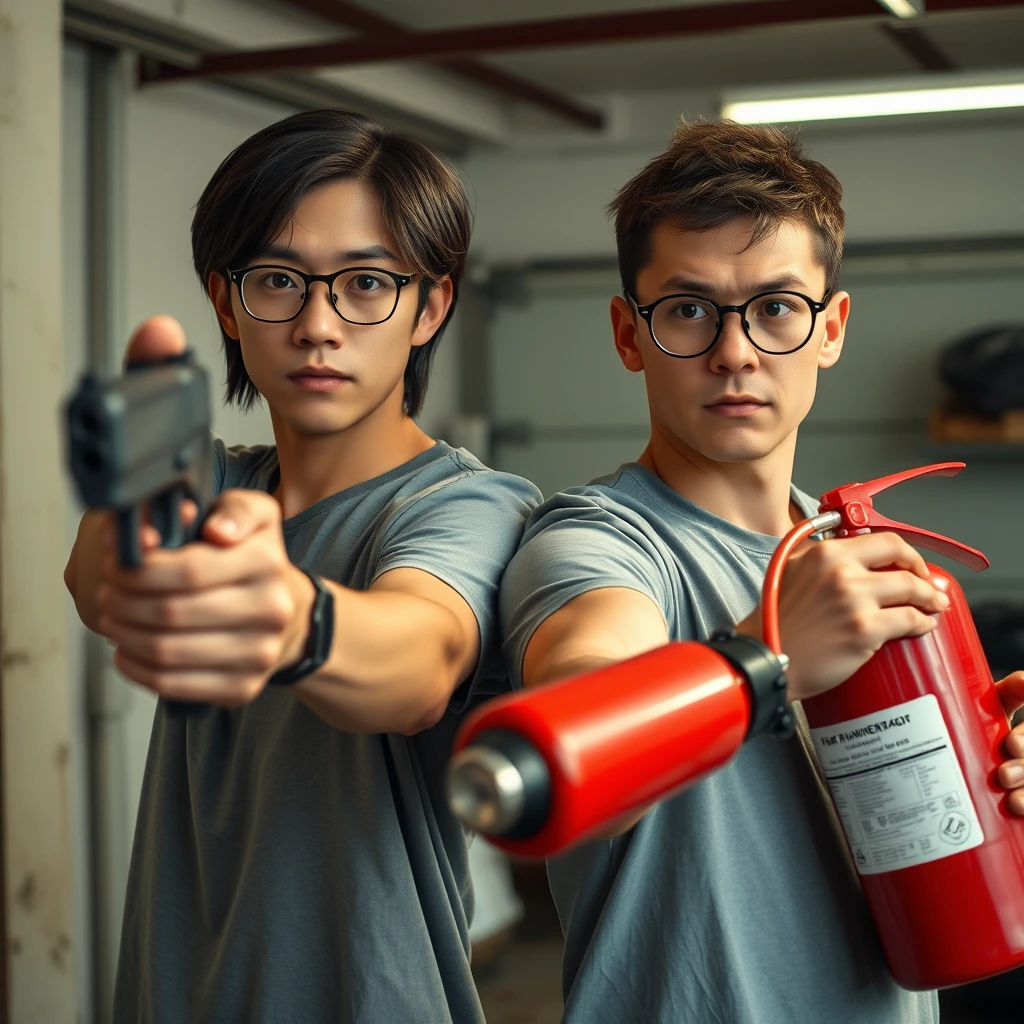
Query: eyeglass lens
(687, 324)
(361, 296)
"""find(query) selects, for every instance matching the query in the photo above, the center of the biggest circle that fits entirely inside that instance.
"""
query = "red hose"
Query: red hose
(773, 580)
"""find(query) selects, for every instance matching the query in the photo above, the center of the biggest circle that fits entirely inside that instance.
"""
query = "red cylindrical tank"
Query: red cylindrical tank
(910, 745)
(622, 737)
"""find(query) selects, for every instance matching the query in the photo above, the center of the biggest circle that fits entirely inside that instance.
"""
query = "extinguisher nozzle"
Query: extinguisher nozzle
(500, 785)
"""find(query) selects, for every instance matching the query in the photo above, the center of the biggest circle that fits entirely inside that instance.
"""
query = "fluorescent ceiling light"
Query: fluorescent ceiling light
(835, 102)
(903, 8)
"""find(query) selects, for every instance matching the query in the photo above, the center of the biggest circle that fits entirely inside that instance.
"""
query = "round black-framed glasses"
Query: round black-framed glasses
(275, 294)
(686, 325)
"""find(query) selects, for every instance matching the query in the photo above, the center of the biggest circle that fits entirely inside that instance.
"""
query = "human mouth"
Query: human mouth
(736, 405)
(318, 378)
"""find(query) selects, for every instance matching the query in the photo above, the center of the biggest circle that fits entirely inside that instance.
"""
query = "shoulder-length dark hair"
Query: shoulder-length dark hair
(259, 185)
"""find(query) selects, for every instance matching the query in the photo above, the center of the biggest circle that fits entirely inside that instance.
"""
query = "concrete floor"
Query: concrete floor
(523, 985)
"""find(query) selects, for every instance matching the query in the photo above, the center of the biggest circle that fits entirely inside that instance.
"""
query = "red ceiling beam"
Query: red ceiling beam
(353, 16)
(920, 47)
(939, 6)
(530, 35)
(606, 28)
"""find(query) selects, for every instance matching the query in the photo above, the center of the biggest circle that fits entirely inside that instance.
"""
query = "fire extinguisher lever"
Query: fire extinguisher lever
(854, 504)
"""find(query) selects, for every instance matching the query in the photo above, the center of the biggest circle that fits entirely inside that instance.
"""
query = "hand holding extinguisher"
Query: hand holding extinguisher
(910, 745)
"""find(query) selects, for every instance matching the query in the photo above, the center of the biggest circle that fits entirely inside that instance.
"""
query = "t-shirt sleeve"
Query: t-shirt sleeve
(573, 544)
(464, 531)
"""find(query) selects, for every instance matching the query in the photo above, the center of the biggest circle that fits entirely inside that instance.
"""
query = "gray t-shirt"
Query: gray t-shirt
(285, 871)
(733, 901)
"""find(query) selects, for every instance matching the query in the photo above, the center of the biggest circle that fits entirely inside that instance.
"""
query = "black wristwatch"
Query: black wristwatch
(318, 642)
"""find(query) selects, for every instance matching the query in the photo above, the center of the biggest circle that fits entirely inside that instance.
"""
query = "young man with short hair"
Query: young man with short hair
(294, 859)
(733, 901)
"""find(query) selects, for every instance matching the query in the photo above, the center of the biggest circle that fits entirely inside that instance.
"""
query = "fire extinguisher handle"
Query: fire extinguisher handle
(853, 503)
(962, 553)
(851, 492)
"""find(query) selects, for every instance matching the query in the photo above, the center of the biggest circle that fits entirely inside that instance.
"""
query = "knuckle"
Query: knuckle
(277, 558)
(168, 614)
(250, 688)
(266, 653)
(841, 575)
(861, 629)
(280, 607)
(918, 622)
(164, 686)
(159, 649)
(824, 553)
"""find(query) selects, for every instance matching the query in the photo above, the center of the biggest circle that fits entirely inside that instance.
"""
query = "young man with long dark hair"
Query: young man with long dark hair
(294, 859)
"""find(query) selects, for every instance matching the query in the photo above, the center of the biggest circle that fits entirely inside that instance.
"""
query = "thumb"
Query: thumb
(238, 514)
(154, 339)
(1011, 691)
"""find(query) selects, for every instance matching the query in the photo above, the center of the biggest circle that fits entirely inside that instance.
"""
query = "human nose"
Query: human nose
(733, 352)
(318, 323)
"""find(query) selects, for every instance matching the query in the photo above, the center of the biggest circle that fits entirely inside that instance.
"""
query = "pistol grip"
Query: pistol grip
(129, 522)
(165, 515)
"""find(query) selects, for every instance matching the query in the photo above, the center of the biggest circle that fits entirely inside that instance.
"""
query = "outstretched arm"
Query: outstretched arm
(214, 620)
(836, 610)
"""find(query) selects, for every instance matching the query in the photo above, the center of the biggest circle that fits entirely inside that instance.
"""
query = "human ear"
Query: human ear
(836, 315)
(624, 329)
(439, 301)
(218, 287)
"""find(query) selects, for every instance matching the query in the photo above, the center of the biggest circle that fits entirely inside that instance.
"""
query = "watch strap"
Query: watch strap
(319, 639)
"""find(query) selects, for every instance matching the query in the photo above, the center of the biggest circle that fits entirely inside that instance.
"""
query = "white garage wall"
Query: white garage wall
(554, 367)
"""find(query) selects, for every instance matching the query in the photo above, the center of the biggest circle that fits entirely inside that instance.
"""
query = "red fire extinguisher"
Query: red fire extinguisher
(909, 745)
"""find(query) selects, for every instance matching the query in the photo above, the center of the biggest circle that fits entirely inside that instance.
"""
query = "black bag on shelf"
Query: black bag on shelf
(985, 369)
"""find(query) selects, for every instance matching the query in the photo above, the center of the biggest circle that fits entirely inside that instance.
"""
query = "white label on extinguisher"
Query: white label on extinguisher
(898, 787)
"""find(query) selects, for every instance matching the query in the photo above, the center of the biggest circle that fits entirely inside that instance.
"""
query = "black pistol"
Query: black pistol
(142, 440)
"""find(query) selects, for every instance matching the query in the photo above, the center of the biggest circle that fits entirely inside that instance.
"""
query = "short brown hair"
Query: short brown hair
(716, 171)
(258, 186)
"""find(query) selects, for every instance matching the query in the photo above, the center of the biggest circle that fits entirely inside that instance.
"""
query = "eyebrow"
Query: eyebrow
(689, 284)
(370, 252)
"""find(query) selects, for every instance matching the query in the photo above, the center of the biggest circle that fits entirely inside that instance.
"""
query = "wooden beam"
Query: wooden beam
(531, 35)
(353, 16)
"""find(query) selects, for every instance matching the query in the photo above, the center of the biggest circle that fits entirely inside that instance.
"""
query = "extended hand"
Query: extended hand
(1011, 771)
(213, 620)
